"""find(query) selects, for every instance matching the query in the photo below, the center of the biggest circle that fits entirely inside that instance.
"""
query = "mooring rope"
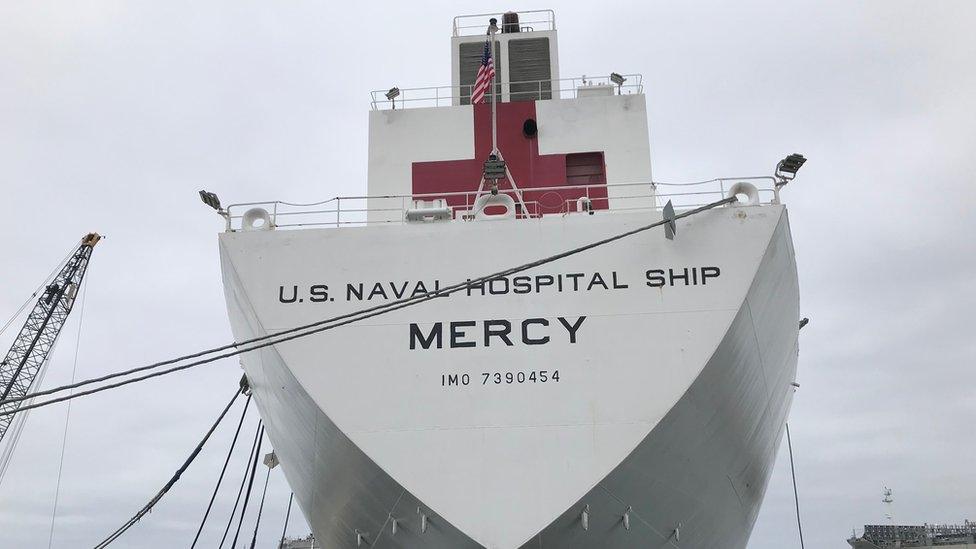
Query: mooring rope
(223, 470)
(264, 493)
(250, 485)
(250, 456)
(796, 496)
(284, 529)
(37, 290)
(169, 484)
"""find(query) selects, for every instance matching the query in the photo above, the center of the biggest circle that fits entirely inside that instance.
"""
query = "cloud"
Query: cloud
(115, 114)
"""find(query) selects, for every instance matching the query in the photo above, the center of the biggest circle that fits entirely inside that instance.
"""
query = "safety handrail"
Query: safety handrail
(477, 23)
(561, 88)
(354, 210)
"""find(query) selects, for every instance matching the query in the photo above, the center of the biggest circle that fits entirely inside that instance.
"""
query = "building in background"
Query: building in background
(884, 536)
(308, 542)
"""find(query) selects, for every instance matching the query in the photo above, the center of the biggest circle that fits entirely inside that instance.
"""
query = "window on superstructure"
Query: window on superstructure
(529, 69)
(584, 169)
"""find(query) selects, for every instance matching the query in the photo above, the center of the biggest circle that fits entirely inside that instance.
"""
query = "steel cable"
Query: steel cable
(796, 495)
(257, 522)
(67, 416)
(250, 456)
(284, 529)
(169, 484)
(250, 485)
(223, 471)
(37, 290)
(333, 322)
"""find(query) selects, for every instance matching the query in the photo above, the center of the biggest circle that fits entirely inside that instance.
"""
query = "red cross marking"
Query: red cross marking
(529, 169)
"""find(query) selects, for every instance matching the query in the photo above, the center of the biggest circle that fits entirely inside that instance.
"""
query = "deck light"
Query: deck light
(492, 26)
(210, 199)
(787, 167)
(617, 79)
(393, 94)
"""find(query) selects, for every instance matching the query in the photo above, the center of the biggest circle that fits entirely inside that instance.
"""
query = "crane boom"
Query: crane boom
(35, 340)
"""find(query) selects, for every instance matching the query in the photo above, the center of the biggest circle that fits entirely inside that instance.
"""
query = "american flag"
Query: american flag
(485, 73)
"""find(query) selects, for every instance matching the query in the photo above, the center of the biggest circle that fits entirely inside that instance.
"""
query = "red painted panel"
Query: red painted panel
(529, 168)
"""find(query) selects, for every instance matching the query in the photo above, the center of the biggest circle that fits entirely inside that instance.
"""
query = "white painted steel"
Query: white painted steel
(448, 134)
(616, 125)
(338, 488)
(257, 219)
(362, 422)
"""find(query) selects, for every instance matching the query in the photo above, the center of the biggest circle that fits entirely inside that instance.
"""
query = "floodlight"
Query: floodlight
(393, 94)
(617, 79)
(787, 167)
(210, 199)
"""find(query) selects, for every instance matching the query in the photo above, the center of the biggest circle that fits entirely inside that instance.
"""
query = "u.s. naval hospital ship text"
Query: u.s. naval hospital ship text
(630, 395)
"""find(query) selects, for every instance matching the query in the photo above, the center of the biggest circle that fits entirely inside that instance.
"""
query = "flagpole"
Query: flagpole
(492, 29)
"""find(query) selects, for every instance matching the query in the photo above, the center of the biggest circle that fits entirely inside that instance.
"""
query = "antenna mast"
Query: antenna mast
(888, 501)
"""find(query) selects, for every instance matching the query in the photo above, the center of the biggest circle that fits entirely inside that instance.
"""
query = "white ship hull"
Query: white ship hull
(672, 392)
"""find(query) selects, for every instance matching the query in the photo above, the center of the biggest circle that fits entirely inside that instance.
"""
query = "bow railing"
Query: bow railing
(344, 211)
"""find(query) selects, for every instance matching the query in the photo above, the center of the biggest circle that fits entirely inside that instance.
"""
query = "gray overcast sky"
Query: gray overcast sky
(113, 115)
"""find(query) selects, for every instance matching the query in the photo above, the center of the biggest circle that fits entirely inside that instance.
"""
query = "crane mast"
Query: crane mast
(35, 340)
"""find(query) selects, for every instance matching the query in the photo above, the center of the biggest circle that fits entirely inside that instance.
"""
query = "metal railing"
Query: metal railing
(529, 20)
(346, 211)
(562, 88)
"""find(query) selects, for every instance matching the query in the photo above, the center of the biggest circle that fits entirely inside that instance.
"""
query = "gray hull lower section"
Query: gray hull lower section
(699, 475)
(698, 479)
(343, 494)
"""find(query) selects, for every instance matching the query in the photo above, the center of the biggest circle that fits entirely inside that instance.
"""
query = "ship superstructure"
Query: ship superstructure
(632, 395)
